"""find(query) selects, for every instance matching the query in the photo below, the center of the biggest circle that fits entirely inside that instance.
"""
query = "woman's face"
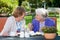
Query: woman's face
(21, 17)
(38, 17)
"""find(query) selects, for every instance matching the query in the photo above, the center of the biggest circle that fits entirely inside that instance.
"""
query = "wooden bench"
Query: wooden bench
(2, 22)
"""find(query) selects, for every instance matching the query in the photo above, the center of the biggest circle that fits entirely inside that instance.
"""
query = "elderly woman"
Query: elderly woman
(14, 23)
(41, 20)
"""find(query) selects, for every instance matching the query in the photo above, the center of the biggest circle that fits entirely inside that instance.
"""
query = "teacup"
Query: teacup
(22, 34)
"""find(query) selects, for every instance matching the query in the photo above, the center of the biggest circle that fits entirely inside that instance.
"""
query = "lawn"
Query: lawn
(58, 25)
(28, 19)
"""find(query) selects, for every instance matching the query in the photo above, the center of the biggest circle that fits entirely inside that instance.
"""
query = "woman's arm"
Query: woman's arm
(35, 25)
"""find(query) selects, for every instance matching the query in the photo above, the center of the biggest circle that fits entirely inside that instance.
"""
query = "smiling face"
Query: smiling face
(20, 17)
(19, 13)
(41, 14)
(38, 17)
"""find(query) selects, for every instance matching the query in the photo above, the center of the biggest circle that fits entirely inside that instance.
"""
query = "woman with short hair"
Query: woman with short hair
(14, 23)
(41, 20)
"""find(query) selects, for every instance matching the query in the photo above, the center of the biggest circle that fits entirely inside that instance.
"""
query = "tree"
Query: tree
(56, 3)
(20, 2)
(7, 6)
(26, 5)
(53, 3)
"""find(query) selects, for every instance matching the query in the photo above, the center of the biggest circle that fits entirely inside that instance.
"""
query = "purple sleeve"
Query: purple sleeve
(35, 24)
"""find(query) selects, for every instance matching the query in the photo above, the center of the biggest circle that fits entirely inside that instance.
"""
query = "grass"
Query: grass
(58, 25)
(28, 20)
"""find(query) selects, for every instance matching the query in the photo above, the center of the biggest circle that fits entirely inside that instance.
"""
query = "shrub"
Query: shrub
(49, 29)
(5, 8)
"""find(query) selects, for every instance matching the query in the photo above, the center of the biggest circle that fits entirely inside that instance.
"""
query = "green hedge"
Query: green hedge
(53, 14)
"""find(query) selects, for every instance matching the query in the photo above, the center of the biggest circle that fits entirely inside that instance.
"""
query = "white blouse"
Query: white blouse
(10, 25)
(41, 25)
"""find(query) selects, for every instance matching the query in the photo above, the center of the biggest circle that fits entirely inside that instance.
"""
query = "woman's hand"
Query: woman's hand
(18, 34)
(30, 26)
(4, 34)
